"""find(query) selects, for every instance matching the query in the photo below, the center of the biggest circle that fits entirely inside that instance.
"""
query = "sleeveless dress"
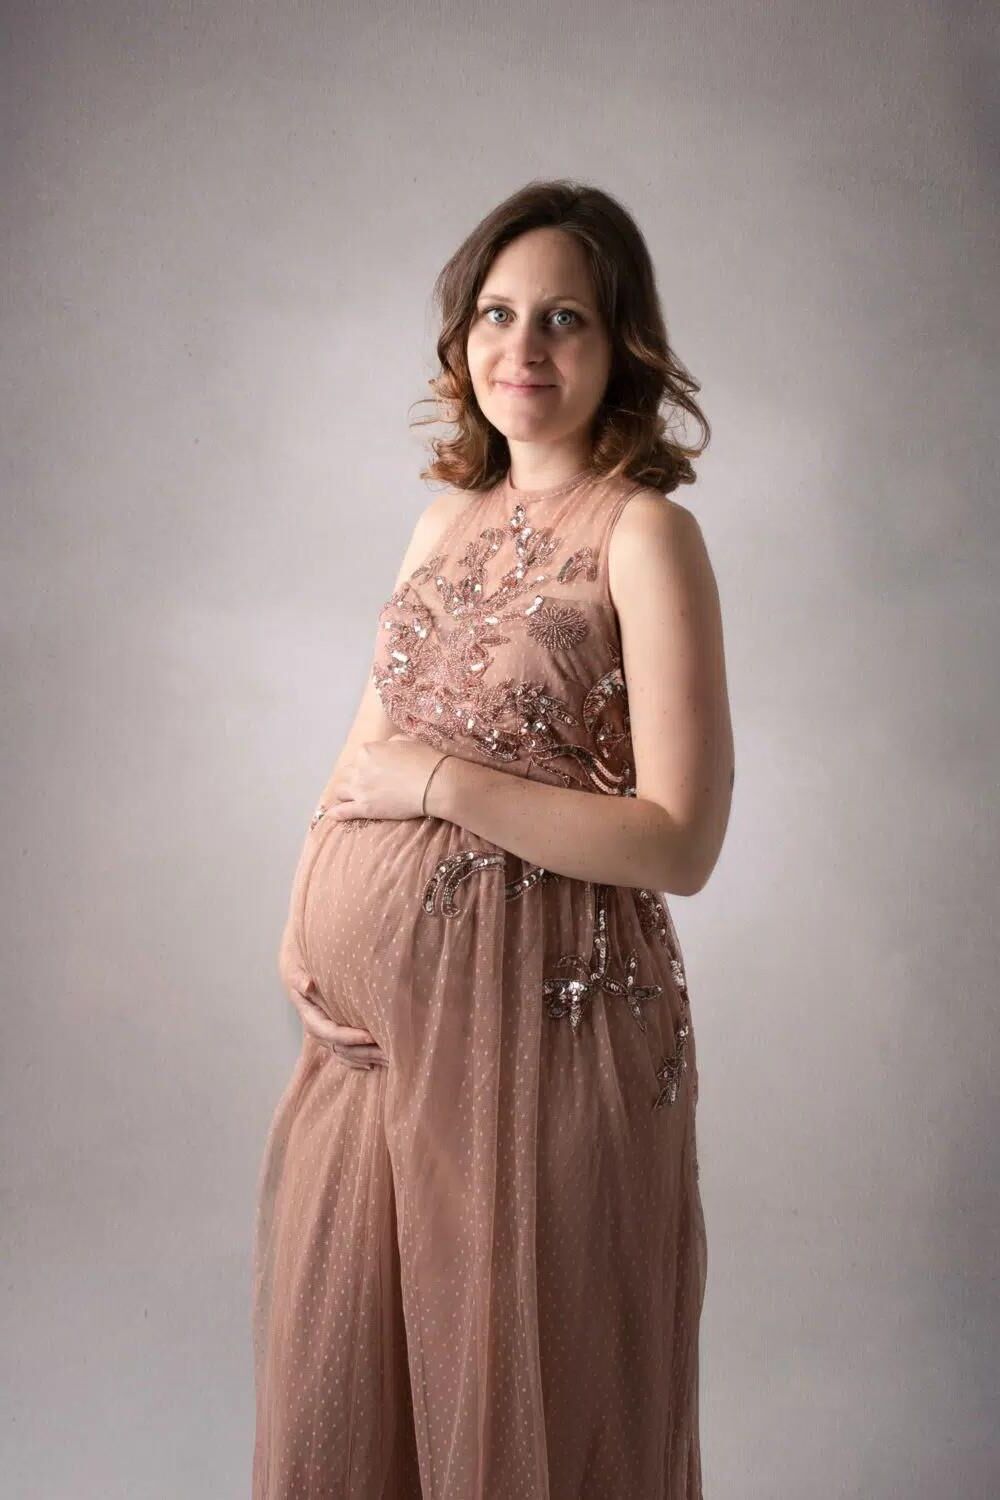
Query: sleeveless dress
(479, 1271)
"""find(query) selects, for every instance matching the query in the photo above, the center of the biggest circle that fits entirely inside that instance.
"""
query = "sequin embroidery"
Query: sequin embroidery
(571, 996)
(433, 679)
(557, 626)
(670, 1069)
(655, 920)
(322, 810)
(439, 891)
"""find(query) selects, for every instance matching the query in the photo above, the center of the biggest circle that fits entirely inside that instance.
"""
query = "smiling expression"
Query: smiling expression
(538, 353)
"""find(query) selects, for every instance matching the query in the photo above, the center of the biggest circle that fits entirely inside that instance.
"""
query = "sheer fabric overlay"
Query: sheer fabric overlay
(479, 1272)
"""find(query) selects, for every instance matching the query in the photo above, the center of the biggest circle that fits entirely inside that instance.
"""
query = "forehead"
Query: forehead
(540, 264)
(497, 294)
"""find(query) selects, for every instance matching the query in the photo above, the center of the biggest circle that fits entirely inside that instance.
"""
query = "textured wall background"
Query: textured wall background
(220, 232)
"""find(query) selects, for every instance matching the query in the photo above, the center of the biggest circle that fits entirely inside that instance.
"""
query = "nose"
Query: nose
(525, 347)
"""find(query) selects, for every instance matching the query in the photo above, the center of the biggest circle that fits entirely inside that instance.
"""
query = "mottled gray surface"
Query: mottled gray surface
(221, 226)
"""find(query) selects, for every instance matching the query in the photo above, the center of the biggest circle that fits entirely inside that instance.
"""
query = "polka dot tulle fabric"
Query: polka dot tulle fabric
(479, 1272)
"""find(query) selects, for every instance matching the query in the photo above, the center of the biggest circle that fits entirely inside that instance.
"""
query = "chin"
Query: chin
(525, 431)
(500, 414)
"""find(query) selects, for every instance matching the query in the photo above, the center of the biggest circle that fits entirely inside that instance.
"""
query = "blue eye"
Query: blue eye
(556, 310)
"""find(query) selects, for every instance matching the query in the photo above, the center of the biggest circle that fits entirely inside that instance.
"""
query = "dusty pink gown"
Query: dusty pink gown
(479, 1272)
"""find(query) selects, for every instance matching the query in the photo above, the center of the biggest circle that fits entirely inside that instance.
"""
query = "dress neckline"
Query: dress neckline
(527, 497)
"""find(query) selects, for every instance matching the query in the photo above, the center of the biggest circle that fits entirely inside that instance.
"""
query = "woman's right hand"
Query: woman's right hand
(350, 1045)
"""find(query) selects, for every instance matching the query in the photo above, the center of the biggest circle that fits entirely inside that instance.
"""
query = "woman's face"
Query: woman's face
(536, 322)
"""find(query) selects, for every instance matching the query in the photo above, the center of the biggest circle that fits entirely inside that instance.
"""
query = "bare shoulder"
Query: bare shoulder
(439, 512)
(655, 538)
(652, 514)
(431, 524)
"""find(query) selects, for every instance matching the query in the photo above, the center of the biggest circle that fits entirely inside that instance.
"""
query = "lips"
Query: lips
(525, 385)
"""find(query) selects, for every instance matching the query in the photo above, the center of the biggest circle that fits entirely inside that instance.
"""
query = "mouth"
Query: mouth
(527, 388)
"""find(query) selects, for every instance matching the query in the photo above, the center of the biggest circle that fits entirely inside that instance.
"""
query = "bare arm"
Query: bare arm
(371, 722)
(669, 835)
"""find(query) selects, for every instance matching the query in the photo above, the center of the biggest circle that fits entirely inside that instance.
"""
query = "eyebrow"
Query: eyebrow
(555, 297)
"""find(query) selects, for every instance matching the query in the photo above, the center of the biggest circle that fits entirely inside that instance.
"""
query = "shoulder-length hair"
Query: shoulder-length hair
(648, 388)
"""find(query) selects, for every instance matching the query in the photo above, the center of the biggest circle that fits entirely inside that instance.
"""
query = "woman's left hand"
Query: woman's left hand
(385, 779)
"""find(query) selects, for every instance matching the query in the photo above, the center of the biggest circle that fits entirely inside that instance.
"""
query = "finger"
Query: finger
(315, 1020)
(347, 1062)
(371, 1053)
(360, 1056)
(354, 1036)
(317, 1024)
(348, 1056)
(345, 811)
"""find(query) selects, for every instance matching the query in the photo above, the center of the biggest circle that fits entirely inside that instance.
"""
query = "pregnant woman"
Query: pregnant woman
(480, 1253)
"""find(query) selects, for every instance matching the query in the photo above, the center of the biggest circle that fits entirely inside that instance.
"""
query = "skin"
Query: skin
(537, 320)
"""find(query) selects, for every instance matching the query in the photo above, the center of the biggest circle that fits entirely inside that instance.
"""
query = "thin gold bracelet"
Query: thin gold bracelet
(423, 800)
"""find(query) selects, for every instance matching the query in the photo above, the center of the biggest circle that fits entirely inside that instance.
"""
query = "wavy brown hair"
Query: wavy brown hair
(648, 388)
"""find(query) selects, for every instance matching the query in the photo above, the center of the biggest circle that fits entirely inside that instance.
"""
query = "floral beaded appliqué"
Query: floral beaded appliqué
(655, 920)
(433, 679)
(439, 892)
(570, 995)
(435, 682)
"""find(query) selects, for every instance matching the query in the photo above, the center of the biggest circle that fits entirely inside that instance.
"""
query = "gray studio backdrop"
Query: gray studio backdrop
(221, 225)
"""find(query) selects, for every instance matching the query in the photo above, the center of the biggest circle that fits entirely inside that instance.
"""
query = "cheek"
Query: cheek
(477, 355)
(590, 366)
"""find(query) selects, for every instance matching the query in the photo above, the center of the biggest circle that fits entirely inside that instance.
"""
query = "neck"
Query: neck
(534, 470)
